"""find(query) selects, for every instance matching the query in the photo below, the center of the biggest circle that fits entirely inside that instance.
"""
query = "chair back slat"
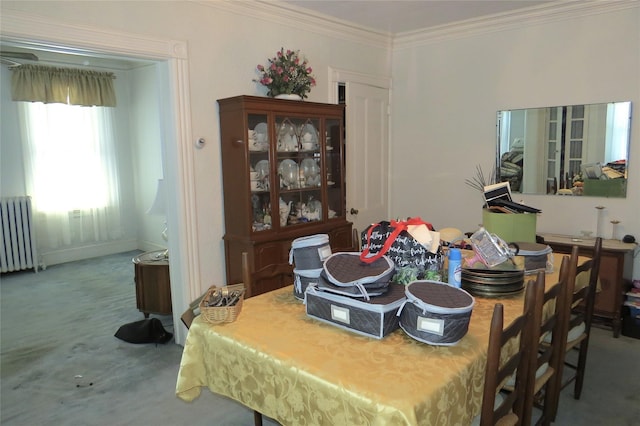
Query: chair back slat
(574, 306)
(513, 405)
(281, 271)
(579, 304)
(547, 319)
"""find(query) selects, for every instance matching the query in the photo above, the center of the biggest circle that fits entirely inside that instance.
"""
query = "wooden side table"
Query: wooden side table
(153, 288)
(616, 264)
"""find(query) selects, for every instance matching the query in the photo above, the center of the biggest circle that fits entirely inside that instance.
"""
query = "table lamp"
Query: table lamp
(159, 208)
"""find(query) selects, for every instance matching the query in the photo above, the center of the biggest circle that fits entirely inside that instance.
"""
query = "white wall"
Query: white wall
(145, 133)
(224, 49)
(445, 96)
(11, 168)
(447, 92)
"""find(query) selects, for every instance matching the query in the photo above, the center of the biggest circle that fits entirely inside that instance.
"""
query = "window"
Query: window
(71, 172)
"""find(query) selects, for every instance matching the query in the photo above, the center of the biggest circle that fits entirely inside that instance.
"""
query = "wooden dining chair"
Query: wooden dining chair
(355, 240)
(265, 279)
(580, 301)
(548, 319)
(281, 271)
(509, 408)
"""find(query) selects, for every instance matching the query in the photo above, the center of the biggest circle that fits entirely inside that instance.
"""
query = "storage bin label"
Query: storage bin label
(339, 313)
(431, 325)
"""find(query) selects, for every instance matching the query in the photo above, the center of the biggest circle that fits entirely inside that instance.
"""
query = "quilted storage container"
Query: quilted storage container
(345, 269)
(366, 291)
(302, 278)
(376, 317)
(436, 313)
(309, 252)
(533, 257)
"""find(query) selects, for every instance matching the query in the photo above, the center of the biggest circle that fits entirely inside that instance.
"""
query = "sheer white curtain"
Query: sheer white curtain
(71, 173)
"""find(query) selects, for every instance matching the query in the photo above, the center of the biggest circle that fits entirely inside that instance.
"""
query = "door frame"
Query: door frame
(172, 59)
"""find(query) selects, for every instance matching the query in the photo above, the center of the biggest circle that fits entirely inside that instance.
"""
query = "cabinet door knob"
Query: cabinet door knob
(353, 211)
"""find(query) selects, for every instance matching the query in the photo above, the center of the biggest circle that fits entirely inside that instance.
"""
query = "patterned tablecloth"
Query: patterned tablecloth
(299, 371)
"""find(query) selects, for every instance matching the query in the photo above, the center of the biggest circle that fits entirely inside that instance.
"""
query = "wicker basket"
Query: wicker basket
(221, 314)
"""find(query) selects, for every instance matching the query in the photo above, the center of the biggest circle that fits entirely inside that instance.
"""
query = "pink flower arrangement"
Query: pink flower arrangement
(286, 73)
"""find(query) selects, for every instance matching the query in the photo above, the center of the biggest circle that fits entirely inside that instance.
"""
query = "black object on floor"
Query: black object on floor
(149, 330)
(630, 323)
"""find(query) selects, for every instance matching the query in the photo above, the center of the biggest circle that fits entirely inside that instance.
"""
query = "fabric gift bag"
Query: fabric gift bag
(412, 259)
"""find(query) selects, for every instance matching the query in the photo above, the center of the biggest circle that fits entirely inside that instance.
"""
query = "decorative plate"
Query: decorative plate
(288, 170)
(262, 167)
(310, 168)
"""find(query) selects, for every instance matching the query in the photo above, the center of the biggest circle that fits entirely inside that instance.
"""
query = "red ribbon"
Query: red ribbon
(398, 226)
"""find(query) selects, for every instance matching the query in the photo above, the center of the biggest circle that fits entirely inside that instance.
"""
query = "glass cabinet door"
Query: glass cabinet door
(334, 169)
(259, 172)
(299, 168)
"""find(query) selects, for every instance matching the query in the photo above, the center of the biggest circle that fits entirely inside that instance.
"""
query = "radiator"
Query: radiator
(17, 242)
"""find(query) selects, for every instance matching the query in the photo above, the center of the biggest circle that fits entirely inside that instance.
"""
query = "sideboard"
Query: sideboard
(616, 269)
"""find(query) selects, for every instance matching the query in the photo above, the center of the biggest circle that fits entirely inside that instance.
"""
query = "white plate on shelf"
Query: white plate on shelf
(262, 134)
(287, 143)
(287, 138)
(289, 171)
(309, 134)
(262, 167)
(310, 167)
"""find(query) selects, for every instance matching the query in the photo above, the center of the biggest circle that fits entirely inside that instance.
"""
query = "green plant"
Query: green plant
(286, 73)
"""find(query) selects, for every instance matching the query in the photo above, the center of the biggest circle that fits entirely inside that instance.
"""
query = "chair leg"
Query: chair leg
(551, 400)
(581, 367)
(257, 418)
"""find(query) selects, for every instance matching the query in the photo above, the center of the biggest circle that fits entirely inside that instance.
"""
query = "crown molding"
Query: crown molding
(542, 14)
(284, 14)
(40, 31)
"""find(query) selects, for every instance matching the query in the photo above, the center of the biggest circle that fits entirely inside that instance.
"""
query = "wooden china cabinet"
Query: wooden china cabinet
(283, 173)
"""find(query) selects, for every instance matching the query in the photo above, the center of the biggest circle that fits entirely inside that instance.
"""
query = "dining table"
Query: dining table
(297, 370)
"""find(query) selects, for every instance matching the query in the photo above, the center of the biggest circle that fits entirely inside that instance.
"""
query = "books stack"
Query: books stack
(633, 300)
(498, 199)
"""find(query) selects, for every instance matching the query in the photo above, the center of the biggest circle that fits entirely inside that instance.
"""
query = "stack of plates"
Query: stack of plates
(492, 282)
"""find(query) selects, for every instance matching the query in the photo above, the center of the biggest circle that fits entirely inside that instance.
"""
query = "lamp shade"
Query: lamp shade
(159, 203)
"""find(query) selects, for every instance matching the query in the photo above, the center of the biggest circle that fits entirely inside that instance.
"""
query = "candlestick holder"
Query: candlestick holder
(614, 231)
(599, 221)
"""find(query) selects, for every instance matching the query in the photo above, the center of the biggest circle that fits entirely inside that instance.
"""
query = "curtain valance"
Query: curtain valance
(38, 83)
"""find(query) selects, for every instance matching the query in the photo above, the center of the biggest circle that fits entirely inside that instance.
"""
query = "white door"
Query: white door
(367, 154)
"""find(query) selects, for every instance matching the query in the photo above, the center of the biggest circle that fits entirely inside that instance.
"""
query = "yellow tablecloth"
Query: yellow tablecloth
(299, 371)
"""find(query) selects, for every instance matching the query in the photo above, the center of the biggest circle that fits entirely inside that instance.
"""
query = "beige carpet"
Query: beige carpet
(59, 324)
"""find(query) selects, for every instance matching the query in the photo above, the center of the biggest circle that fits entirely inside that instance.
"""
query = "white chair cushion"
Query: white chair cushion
(539, 372)
(573, 334)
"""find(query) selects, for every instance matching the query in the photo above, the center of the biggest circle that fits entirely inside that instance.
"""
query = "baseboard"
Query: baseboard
(149, 246)
(86, 252)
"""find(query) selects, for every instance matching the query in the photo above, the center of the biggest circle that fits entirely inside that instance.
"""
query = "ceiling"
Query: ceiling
(396, 16)
(387, 16)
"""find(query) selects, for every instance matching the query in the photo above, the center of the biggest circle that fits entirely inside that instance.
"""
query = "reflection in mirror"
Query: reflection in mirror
(566, 150)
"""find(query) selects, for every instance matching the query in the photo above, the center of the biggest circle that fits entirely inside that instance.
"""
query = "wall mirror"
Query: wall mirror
(565, 150)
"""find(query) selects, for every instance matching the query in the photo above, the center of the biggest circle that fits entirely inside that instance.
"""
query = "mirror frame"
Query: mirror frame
(567, 140)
